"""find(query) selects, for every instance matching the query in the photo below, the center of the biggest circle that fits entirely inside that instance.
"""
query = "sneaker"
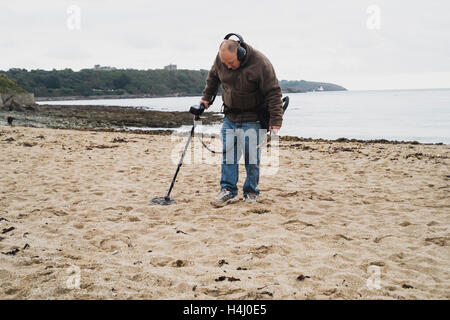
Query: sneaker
(223, 198)
(251, 197)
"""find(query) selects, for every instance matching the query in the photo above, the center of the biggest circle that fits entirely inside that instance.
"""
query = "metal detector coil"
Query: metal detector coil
(163, 201)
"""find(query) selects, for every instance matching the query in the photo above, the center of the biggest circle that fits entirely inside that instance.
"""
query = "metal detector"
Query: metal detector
(166, 200)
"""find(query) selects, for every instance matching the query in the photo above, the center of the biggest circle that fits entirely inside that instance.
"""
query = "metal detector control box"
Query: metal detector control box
(197, 110)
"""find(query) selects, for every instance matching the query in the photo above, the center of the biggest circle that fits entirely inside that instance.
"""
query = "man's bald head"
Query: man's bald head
(229, 45)
(228, 54)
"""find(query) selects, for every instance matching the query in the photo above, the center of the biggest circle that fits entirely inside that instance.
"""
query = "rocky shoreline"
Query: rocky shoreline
(122, 119)
(112, 96)
(98, 117)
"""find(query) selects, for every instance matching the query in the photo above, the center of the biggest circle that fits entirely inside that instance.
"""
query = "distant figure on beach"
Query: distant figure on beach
(10, 120)
(248, 81)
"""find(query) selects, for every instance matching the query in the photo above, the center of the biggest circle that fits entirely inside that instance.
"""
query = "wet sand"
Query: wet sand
(339, 220)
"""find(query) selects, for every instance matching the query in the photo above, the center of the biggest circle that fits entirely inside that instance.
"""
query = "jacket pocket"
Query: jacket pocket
(245, 101)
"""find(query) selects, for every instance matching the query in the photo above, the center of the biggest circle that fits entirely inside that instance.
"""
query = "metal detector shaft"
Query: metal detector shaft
(181, 162)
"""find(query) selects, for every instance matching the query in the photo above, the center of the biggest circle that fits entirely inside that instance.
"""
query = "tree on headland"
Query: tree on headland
(9, 86)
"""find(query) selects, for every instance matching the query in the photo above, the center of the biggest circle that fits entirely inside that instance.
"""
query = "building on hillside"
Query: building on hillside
(171, 67)
(106, 68)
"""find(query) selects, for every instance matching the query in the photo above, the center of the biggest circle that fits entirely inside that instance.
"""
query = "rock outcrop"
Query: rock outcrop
(13, 97)
(16, 101)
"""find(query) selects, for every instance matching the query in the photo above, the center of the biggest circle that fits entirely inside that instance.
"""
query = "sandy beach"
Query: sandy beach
(339, 220)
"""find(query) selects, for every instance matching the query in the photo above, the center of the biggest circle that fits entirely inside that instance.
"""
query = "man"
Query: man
(248, 81)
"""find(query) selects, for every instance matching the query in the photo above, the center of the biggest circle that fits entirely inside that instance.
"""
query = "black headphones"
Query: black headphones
(241, 52)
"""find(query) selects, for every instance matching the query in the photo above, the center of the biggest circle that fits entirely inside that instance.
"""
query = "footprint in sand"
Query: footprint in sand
(126, 208)
(440, 241)
(312, 213)
(221, 292)
(114, 219)
(324, 206)
(288, 194)
(329, 292)
(112, 244)
(180, 263)
(78, 226)
(341, 236)
(59, 213)
(161, 261)
(261, 251)
(237, 236)
(90, 235)
(378, 239)
(258, 211)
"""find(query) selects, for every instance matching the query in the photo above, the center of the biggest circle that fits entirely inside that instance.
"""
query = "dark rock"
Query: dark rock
(302, 277)
(270, 294)
(8, 230)
(221, 278)
(12, 252)
(179, 264)
(222, 262)
(232, 279)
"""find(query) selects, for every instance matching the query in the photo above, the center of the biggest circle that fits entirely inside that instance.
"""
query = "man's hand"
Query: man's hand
(274, 129)
(205, 103)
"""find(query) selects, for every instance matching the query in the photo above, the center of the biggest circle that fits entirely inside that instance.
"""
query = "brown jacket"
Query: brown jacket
(247, 87)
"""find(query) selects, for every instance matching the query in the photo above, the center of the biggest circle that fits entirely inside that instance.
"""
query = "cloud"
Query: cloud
(321, 40)
(68, 52)
(6, 43)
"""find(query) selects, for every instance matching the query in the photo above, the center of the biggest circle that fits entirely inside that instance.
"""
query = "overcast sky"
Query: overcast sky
(359, 44)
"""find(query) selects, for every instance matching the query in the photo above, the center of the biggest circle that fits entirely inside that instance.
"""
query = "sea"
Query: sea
(403, 115)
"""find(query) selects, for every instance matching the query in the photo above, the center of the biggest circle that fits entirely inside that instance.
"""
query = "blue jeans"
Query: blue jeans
(238, 137)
